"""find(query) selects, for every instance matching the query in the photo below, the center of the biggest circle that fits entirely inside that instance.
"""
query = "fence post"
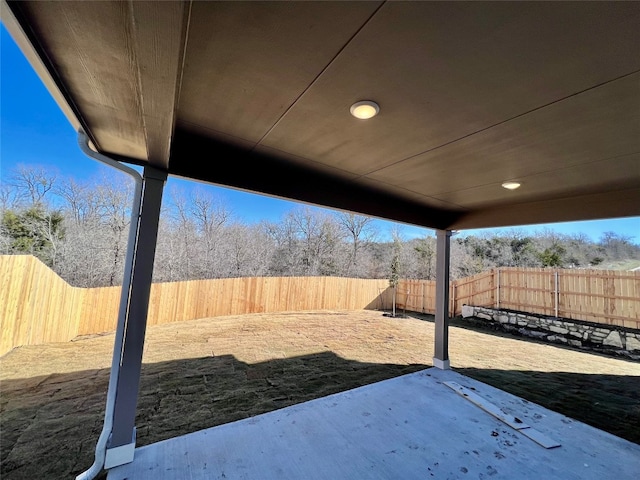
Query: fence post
(406, 300)
(556, 293)
(497, 288)
(453, 299)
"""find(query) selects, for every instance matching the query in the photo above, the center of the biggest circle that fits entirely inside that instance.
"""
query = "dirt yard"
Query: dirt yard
(202, 373)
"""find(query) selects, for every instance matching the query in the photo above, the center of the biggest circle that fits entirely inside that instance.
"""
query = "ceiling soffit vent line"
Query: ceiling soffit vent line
(635, 72)
(317, 77)
(159, 58)
(183, 56)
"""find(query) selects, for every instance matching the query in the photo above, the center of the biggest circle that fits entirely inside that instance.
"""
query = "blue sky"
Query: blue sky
(33, 130)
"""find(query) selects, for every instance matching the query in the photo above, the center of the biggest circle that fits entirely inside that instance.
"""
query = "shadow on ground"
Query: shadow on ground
(607, 402)
(50, 424)
(478, 325)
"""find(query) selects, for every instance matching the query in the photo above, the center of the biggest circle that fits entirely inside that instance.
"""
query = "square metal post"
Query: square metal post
(441, 351)
(121, 445)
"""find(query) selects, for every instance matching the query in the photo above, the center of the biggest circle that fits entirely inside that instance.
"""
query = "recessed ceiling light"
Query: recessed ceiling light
(364, 109)
(511, 185)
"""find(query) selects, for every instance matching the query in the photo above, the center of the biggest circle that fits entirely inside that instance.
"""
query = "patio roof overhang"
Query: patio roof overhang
(256, 96)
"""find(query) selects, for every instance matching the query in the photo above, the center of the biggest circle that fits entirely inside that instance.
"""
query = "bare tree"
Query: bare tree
(79, 199)
(210, 214)
(33, 230)
(184, 236)
(113, 198)
(285, 258)
(171, 263)
(319, 241)
(358, 229)
(247, 249)
(424, 262)
(192, 227)
(8, 197)
(81, 228)
(32, 182)
(618, 246)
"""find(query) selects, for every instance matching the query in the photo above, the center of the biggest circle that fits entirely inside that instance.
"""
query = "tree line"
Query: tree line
(80, 230)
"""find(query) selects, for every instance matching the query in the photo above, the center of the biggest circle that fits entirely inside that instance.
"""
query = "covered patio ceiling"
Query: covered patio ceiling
(256, 96)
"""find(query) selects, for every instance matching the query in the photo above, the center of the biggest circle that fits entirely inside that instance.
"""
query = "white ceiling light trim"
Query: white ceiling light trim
(511, 185)
(365, 109)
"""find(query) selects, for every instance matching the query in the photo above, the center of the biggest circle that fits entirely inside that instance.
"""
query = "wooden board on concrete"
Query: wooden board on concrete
(513, 421)
(409, 427)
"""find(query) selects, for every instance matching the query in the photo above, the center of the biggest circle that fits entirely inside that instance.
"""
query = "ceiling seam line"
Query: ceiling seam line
(502, 122)
(178, 93)
(159, 150)
(133, 36)
(326, 67)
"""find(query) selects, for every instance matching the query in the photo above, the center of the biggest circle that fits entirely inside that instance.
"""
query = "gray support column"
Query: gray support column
(441, 352)
(121, 445)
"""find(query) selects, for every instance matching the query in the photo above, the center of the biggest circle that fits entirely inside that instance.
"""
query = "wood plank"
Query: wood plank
(514, 422)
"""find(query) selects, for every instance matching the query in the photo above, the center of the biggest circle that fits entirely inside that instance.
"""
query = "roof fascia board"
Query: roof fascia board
(35, 57)
(197, 157)
(596, 206)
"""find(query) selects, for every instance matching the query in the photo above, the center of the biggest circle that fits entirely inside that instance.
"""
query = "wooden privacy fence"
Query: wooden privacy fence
(601, 296)
(37, 306)
(178, 301)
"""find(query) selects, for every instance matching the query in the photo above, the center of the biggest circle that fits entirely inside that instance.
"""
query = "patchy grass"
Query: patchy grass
(203, 373)
(627, 265)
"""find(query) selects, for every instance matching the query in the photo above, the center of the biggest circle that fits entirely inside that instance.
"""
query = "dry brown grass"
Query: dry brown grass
(202, 373)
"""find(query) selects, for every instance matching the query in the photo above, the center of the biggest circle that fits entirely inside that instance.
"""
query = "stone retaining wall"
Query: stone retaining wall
(576, 333)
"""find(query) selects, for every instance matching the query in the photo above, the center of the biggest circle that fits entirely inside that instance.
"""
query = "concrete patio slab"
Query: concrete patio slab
(409, 427)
